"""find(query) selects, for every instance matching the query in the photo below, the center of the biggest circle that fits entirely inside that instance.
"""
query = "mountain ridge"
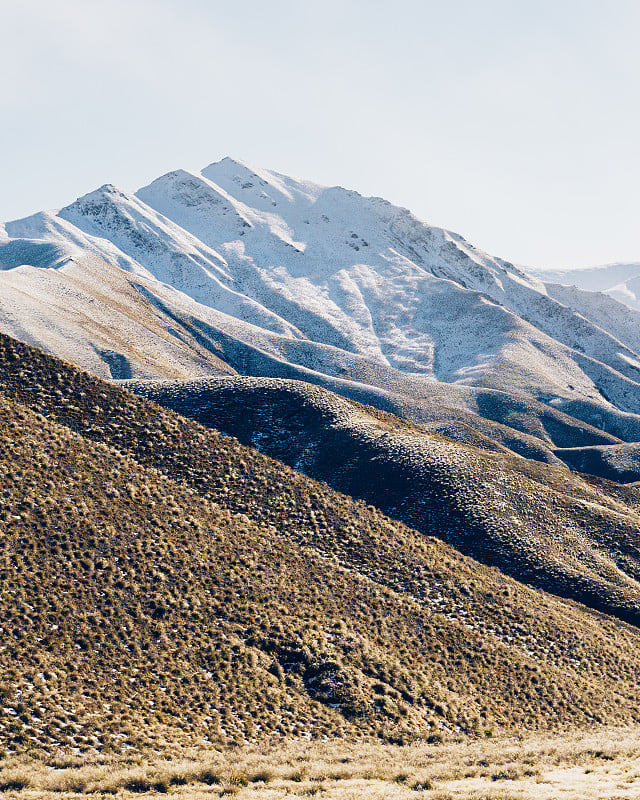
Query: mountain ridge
(480, 502)
(619, 280)
(241, 270)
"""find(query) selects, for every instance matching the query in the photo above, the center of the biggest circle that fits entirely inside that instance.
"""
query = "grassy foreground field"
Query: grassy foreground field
(603, 765)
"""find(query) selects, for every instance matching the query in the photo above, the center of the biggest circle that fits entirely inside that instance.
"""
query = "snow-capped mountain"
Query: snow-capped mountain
(620, 281)
(238, 269)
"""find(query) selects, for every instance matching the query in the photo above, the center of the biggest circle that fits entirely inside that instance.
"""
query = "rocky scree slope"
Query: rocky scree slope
(163, 585)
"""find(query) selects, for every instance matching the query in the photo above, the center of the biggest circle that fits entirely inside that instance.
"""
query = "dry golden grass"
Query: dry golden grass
(570, 767)
(537, 523)
(163, 585)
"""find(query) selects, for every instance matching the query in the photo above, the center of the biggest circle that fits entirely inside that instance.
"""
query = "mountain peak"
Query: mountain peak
(230, 167)
(243, 180)
(310, 279)
(106, 191)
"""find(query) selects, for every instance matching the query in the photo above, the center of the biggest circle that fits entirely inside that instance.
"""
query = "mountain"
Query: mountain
(620, 281)
(239, 270)
(164, 586)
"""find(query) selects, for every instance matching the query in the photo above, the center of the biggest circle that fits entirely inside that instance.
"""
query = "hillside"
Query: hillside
(163, 583)
(239, 270)
(537, 523)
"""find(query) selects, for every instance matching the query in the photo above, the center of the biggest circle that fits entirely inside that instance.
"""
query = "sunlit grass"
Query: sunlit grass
(164, 585)
(585, 766)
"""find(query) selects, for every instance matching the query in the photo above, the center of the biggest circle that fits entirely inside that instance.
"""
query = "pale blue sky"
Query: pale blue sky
(514, 123)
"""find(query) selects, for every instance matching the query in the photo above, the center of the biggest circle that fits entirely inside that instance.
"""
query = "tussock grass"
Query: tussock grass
(464, 769)
(164, 585)
(489, 505)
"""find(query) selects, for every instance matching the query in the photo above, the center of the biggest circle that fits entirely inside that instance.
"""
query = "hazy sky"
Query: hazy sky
(513, 122)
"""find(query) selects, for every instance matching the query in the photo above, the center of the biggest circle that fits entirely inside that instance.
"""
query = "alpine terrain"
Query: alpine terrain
(282, 463)
(164, 586)
(242, 271)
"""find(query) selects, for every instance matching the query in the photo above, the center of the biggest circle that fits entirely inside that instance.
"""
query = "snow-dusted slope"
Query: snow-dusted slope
(620, 281)
(279, 277)
(91, 313)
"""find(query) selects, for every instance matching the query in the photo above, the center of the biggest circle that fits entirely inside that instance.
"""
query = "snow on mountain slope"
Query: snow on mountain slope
(627, 292)
(355, 260)
(620, 281)
(34, 252)
(89, 312)
(621, 321)
(281, 277)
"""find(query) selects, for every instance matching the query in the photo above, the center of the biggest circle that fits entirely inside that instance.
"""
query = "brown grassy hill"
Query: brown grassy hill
(189, 588)
(538, 523)
(616, 462)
